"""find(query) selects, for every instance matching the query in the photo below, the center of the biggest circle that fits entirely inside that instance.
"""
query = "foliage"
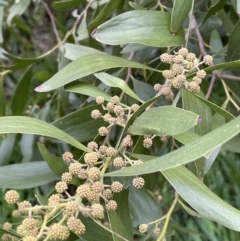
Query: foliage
(119, 120)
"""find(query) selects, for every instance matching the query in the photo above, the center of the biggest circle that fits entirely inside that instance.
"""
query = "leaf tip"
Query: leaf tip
(42, 88)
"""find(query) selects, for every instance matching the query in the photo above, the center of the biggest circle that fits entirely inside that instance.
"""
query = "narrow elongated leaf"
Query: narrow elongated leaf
(191, 189)
(75, 51)
(151, 28)
(180, 12)
(164, 120)
(80, 124)
(1, 22)
(6, 149)
(84, 66)
(185, 154)
(20, 124)
(105, 13)
(2, 98)
(113, 81)
(55, 163)
(216, 7)
(26, 175)
(233, 52)
(120, 220)
(20, 96)
(87, 89)
(66, 4)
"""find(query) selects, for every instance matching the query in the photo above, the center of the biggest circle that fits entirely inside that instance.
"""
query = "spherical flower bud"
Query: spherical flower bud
(30, 223)
(92, 145)
(67, 156)
(66, 177)
(94, 173)
(111, 205)
(208, 59)
(21, 230)
(24, 206)
(93, 197)
(118, 162)
(138, 182)
(83, 190)
(164, 138)
(58, 232)
(170, 96)
(16, 213)
(107, 193)
(134, 107)
(197, 80)
(116, 187)
(97, 211)
(177, 69)
(178, 59)
(166, 90)
(103, 131)
(143, 228)
(103, 149)
(201, 74)
(157, 87)
(82, 174)
(91, 158)
(99, 100)
(127, 141)
(107, 117)
(75, 168)
(54, 199)
(76, 226)
(194, 87)
(97, 187)
(147, 142)
(110, 151)
(183, 51)
(168, 74)
(29, 238)
(72, 207)
(11, 196)
(6, 237)
(110, 106)
(61, 186)
(96, 114)
(166, 58)
(115, 99)
(137, 162)
(157, 231)
(7, 226)
(191, 57)
(118, 110)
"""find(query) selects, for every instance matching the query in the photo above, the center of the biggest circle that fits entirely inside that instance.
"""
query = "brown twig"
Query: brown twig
(212, 82)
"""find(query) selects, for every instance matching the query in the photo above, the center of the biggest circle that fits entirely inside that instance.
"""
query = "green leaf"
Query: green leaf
(2, 98)
(164, 120)
(87, 89)
(113, 81)
(75, 51)
(80, 125)
(189, 210)
(82, 31)
(56, 164)
(180, 12)
(26, 175)
(20, 96)
(120, 220)
(151, 28)
(1, 23)
(66, 4)
(17, 9)
(105, 13)
(216, 108)
(28, 125)
(234, 43)
(185, 154)
(214, 9)
(85, 66)
(202, 199)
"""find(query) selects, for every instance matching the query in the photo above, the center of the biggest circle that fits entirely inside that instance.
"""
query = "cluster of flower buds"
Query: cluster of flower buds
(182, 63)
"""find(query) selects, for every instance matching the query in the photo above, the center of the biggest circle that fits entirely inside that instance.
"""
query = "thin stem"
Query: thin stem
(212, 82)
(168, 215)
(52, 21)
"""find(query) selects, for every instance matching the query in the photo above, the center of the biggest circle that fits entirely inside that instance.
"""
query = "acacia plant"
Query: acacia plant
(133, 103)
